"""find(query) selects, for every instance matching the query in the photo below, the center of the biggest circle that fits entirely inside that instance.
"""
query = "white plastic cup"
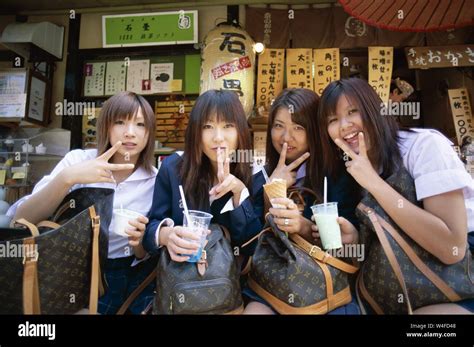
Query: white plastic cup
(326, 216)
(199, 224)
(121, 219)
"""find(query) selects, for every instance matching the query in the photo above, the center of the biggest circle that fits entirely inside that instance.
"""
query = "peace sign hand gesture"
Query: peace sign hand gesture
(360, 166)
(227, 181)
(97, 170)
(286, 172)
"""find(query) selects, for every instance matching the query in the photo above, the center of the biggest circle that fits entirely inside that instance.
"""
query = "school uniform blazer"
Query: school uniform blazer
(242, 222)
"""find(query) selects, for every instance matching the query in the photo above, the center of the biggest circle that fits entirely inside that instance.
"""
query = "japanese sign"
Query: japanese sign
(138, 76)
(462, 113)
(259, 145)
(440, 56)
(327, 69)
(299, 66)
(270, 76)
(94, 79)
(228, 61)
(146, 29)
(115, 77)
(380, 70)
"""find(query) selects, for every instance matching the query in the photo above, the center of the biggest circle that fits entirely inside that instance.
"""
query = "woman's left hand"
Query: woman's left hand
(135, 230)
(290, 219)
(360, 166)
(227, 181)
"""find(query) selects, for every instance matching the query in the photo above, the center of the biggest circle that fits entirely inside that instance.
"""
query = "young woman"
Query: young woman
(350, 120)
(217, 128)
(293, 153)
(122, 161)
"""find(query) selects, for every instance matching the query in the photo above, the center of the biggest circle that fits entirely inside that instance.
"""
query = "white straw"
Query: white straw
(325, 190)
(186, 212)
(265, 175)
(121, 208)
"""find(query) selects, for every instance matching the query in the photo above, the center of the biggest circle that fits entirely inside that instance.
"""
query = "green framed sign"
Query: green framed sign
(150, 29)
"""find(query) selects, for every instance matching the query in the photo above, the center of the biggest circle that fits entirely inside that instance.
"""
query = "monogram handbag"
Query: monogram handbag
(398, 275)
(60, 267)
(296, 277)
(210, 286)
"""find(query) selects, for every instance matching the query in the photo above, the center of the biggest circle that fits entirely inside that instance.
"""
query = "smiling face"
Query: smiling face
(285, 130)
(133, 134)
(346, 123)
(218, 136)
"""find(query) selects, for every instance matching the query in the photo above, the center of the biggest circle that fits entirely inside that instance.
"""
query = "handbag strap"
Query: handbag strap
(94, 289)
(48, 224)
(30, 226)
(324, 257)
(136, 292)
(424, 269)
(388, 252)
(31, 298)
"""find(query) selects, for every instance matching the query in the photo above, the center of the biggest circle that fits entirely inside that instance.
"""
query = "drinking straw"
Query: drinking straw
(325, 194)
(264, 172)
(186, 212)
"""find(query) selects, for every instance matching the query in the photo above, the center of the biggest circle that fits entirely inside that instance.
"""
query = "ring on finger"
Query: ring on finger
(286, 221)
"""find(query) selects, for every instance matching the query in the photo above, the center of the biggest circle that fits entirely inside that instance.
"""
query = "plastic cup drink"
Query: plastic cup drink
(326, 220)
(199, 224)
(121, 218)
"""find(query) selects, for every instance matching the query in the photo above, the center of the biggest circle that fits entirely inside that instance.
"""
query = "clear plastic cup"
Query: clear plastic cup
(121, 218)
(199, 224)
(325, 216)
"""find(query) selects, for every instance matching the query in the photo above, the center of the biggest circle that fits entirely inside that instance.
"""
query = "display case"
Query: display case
(27, 154)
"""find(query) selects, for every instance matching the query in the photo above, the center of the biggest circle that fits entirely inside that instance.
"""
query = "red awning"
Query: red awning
(416, 15)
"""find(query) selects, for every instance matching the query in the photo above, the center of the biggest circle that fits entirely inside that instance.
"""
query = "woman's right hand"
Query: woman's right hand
(286, 172)
(97, 170)
(349, 233)
(174, 238)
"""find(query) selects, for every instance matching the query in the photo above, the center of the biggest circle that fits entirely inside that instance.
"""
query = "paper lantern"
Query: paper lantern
(228, 61)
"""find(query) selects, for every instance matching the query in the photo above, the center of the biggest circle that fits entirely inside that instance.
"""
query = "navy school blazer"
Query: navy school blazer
(242, 222)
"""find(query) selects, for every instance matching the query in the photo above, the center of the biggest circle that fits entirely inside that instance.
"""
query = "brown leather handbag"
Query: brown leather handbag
(296, 277)
(59, 271)
(210, 286)
(398, 275)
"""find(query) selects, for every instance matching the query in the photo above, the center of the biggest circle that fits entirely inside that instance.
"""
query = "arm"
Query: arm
(161, 230)
(44, 202)
(440, 227)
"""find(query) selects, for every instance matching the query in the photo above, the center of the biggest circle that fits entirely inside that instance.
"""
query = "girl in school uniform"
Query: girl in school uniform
(122, 161)
(350, 120)
(293, 153)
(212, 183)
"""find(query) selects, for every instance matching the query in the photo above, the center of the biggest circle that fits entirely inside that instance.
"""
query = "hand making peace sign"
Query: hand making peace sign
(227, 181)
(287, 172)
(97, 170)
(360, 166)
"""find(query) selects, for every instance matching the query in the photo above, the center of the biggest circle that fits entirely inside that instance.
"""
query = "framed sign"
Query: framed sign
(37, 107)
(150, 29)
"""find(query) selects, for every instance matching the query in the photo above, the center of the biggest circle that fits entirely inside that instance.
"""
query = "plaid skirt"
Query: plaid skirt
(122, 279)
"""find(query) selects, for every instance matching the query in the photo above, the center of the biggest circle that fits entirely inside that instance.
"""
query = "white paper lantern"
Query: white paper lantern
(228, 62)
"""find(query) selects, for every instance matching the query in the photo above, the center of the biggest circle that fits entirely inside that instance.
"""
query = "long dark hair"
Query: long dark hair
(381, 131)
(304, 106)
(125, 105)
(196, 171)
